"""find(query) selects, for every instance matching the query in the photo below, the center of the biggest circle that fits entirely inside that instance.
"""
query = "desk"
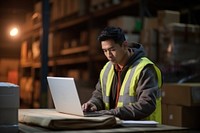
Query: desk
(23, 128)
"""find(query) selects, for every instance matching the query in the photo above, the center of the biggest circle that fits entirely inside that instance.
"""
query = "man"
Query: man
(129, 83)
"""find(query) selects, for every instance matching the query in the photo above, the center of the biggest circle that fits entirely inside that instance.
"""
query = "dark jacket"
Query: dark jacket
(146, 91)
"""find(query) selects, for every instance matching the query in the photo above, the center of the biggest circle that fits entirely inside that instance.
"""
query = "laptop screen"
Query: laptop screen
(65, 96)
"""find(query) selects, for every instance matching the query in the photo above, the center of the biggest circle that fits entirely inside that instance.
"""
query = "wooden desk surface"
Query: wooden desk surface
(23, 128)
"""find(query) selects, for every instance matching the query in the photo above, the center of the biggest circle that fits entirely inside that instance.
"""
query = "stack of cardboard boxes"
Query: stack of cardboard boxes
(130, 25)
(155, 32)
(181, 104)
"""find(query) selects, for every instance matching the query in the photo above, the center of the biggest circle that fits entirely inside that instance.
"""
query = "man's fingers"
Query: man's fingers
(89, 107)
(93, 108)
(84, 107)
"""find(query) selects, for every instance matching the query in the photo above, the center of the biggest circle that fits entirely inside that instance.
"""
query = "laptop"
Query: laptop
(65, 96)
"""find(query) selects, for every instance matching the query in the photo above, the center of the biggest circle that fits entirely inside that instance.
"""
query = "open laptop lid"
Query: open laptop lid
(65, 95)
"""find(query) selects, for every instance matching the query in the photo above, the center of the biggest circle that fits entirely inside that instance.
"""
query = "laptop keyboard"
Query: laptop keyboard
(92, 114)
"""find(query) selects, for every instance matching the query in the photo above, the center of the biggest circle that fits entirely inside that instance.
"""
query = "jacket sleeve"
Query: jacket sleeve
(97, 97)
(146, 92)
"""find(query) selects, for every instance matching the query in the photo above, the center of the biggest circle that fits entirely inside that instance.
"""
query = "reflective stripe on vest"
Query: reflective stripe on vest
(127, 92)
(107, 71)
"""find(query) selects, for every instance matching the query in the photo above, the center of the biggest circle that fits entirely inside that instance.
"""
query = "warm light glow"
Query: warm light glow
(14, 32)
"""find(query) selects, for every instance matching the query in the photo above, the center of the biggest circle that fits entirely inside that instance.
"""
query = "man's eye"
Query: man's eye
(112, 49)
(104, 51)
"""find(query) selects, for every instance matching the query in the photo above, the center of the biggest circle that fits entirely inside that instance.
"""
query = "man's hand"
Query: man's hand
(89, 107)
(106, 112)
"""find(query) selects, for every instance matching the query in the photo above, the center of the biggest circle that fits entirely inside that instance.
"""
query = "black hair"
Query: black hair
(114, 33)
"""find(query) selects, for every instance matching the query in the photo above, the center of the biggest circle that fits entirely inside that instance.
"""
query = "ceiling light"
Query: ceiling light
(14, 32)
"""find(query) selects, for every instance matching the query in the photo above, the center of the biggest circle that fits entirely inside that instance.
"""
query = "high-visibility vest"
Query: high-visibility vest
(128, 87)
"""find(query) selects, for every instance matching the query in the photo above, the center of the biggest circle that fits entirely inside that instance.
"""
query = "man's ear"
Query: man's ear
(125, 44)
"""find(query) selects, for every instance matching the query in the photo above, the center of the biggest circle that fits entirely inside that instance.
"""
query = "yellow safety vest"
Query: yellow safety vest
(127, 92)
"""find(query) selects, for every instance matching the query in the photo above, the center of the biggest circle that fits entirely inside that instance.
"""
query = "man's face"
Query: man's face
(114, 52)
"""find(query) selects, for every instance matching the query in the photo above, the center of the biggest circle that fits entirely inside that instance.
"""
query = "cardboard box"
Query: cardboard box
(149, 40)
(127, 23)
(166, 17)
(181, 94)
(9, 105)
(132, 37)
(183, 116)
(176, 39)
(164, 114)
(183, 38)
(150, 23)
